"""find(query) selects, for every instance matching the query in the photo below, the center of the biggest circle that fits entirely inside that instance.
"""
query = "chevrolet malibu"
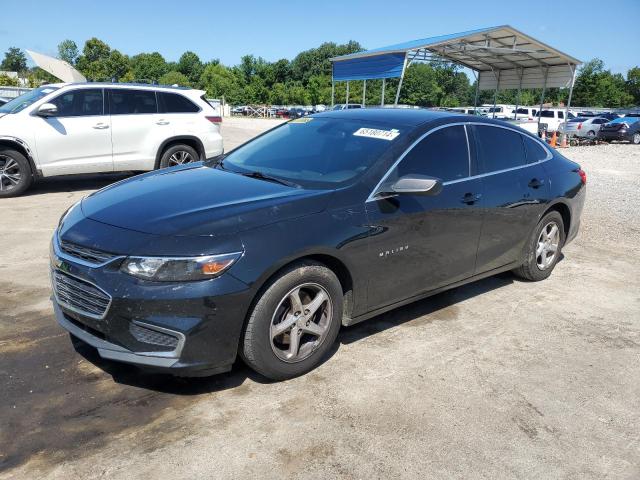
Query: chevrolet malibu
(324, 221)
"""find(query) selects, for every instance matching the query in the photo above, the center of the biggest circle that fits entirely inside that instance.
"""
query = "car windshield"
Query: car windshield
(314, 152)
(26, 99)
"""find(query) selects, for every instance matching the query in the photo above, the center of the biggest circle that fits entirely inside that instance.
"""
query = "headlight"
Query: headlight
(179, 269)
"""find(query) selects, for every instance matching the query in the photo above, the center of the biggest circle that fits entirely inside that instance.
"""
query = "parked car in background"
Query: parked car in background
(267, 252)
(342, 106)
(626, 128)
(297, 112)
(64, 129)
(501, 111)
(239, 110)
(552, 118)
(524, 113)
(582, 127)
(609, 115)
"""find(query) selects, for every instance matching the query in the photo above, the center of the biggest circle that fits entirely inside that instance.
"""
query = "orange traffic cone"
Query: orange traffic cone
(554, 139)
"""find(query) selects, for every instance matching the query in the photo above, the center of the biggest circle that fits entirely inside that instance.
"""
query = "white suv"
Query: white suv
(65, 129)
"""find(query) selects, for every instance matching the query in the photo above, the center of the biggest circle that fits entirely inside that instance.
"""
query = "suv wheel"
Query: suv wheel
(178, 155)
(543, 248)
(15, 173)
(294, 322)
(636, 138)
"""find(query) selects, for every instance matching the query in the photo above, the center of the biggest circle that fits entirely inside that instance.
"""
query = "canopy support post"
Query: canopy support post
(404, 67)
(573, 79)
(384, 82)
(515, 112)
(475, 99)
(347, 101)
(495, 94)
(333, 93)
(364, 93)
(544, 89)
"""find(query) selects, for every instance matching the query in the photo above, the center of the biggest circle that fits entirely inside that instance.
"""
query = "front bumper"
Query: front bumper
(186, 328)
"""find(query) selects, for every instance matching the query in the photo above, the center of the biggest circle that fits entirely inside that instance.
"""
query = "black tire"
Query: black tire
(14, 165)
(258, 349)
(591, 134)
(178, 155)
(531, 269)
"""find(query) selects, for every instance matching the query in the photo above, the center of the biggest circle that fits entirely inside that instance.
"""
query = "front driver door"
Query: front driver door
(425, 242)
(78, 138)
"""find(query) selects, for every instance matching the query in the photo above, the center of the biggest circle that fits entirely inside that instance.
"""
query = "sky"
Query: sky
(281, 29)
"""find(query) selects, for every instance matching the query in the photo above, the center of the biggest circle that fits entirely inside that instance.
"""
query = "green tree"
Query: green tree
(633, 84)
(315, 61)
(117, 65)
(174, 78)
(68, 51)
(93, 63)
(597, 87)
(7, 81)
(148, 66)
(190, 66)
(220, 81)
(14, 60)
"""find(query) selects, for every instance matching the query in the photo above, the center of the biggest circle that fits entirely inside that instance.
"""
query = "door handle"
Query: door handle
(536, 183)
(471, 198)
(100, 126)
(162, 122)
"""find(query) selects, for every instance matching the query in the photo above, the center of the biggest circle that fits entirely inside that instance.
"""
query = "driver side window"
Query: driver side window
(442, 154)
(78, 103)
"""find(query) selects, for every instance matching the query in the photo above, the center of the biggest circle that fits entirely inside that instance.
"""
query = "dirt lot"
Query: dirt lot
(499, 379)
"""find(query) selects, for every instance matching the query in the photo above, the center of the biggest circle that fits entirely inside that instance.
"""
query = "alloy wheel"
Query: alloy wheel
(548, 245)
(10, 173)
(301, 322)
(179, 158)
(636, 138)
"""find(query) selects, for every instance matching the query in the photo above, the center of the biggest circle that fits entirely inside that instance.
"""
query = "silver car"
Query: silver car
(583, 127)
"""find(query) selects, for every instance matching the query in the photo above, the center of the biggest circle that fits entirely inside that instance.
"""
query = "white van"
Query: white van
(552, 118)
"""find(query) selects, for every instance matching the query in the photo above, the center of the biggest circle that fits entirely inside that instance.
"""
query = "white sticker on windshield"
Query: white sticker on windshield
(375, 133)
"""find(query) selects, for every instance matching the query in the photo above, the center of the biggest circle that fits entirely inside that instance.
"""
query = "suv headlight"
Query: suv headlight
(179, 269)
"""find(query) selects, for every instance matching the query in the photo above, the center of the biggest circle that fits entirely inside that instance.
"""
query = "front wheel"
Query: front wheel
(15, 173)
(543, 248)
(636, 138)
(294, 323)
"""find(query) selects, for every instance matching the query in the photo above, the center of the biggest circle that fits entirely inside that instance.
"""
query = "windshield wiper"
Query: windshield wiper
(269, 178)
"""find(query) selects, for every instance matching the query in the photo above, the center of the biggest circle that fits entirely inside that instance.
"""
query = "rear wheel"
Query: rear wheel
(294, 323)
(543, 248)
(178, 155)
(591, 134)
(15, 173)
(636, 138)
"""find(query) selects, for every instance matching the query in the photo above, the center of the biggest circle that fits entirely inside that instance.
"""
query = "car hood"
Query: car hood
(199, 200)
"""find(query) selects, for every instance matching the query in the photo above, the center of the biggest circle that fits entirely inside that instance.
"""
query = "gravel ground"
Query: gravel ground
(497, 379)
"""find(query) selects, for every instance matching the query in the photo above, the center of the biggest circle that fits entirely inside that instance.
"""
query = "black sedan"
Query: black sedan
(324, 221)
(626, 128)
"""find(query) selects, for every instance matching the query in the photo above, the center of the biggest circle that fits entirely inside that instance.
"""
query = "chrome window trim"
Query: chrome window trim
(71, 307)
(372, 196)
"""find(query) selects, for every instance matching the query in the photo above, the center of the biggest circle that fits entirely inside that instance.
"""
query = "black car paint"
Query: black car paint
(620, 131)
(386, 252)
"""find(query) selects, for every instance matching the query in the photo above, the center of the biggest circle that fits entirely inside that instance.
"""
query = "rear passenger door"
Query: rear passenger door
(516, 189)
(136, 129)
(177, 114)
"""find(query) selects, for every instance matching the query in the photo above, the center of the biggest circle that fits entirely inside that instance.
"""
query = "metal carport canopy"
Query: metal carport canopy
(504, 58)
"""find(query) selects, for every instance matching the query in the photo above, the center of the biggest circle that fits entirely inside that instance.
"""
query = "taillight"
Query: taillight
(216, 120)
(583, 176)
(579, 127)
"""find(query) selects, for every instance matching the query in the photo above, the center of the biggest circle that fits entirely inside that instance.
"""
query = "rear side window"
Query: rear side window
(174, 103)
(534, 151)
(442, 154)
(499, 148)
(132, 102)
(546, 114)
(78, 103)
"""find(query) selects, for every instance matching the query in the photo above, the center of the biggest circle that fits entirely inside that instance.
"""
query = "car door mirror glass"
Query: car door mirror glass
(47, 110)
(414, 185)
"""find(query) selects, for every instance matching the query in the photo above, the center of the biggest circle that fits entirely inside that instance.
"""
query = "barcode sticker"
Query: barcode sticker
(375, 133)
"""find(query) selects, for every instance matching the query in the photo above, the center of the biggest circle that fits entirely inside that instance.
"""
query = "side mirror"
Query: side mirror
(47, 110)
(414, 185)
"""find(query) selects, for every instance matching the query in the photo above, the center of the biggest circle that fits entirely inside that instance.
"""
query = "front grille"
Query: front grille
(146, 335)
(80, 296)
(88, 254)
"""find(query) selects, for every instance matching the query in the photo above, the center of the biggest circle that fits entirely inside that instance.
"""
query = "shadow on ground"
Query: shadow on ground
(75, 183)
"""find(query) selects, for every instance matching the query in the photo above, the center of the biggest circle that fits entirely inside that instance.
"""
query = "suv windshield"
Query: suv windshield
(26, 99)
(314, 152)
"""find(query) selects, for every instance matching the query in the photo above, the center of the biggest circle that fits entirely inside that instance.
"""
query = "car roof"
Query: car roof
(122, 85)
(411, 117)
